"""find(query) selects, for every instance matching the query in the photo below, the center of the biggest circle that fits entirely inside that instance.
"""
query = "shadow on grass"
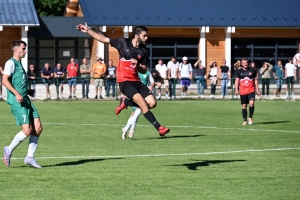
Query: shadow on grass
(205, 163)
(172, 137)
(74, 163)
(274, 122)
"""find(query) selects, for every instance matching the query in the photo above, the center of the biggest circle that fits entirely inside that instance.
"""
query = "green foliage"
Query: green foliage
(50, 7)
(207, 155)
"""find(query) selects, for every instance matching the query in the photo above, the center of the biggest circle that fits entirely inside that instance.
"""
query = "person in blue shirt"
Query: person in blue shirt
(278, 75)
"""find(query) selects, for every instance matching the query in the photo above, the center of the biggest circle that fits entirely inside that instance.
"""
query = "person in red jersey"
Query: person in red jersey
(246, 81)
(133, 59)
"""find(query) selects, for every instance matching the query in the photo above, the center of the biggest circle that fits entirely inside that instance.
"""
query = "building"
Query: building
(261, 30)
(16, 18)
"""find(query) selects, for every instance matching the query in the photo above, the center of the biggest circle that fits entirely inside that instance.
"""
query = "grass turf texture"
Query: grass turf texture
(148, 167)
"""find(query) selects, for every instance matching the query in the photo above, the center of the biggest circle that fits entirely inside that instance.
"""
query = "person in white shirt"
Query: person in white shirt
(185, 72)
(163, 78)
(172, 66)
(213, 74)
(290, 76)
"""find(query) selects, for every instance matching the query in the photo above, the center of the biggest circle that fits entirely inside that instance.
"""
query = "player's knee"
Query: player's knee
(152, 104)
(39, 130)
(27, 131)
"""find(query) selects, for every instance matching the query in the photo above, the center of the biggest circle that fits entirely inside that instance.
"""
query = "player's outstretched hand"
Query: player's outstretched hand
(82, 28)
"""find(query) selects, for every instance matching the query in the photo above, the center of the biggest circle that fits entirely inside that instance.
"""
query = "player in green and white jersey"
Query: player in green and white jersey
(147, 79)
(16, 83)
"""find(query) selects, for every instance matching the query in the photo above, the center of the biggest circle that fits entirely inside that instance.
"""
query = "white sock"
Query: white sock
(287, 94)
(128, 124)
(33, 141)
(17, 140)
(135, 118)
(293, 94)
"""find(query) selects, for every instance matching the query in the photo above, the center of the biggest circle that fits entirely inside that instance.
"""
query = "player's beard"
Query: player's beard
(140, 41)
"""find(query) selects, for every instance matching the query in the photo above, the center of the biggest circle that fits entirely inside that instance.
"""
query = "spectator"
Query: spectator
(85, 70)
(47, 74)
(163, 80)
(224, 75)
(31, 79)
(1, 71)
(213, 75)
(172, 75)
(59, 74)
(201, 77)
(185, 72)
(155, 76)
(99, 69)
(72, 69)
(278, 75)
(290, 75)
(237, 66)
(111, 78)
(265, 71)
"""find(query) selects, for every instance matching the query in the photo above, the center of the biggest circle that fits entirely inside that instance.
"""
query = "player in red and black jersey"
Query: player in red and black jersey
(246, 80)
(133, 59)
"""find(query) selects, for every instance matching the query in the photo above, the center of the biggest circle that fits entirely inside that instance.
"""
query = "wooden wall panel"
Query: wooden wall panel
(7, 36)
(266, 33)
(174, 32)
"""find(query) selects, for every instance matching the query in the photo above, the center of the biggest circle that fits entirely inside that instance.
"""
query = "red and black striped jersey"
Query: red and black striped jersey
(247, 80)
(126, 71)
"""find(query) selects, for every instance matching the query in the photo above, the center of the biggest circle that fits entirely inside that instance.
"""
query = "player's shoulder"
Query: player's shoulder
(9, 62)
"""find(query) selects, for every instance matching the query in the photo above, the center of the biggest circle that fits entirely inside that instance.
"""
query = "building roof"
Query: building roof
(192, 13)
(58, 27)
(18, 13)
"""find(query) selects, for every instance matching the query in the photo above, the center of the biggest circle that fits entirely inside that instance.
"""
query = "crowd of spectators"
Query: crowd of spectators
(165, 76)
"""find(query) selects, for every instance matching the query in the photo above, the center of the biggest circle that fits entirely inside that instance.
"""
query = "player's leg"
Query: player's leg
(244, 102)
(251, 98)
(21, 115)
(36, 130)
(128, 125)
(134, 119)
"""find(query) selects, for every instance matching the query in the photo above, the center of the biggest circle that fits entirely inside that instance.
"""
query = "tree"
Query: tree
(50, 7)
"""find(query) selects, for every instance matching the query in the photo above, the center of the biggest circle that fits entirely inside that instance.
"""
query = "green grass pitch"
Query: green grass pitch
(207, 155)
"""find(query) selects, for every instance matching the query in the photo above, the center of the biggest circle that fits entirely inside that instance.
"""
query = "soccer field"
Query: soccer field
(207, 155)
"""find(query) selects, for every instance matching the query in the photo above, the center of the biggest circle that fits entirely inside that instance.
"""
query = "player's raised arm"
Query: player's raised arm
(98, 36)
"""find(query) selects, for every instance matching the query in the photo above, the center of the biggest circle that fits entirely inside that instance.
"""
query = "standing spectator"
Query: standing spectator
(1, 71)
(237, 66)
(163, 80)
(172, 66)
(59, 74)
(224, 75)
(47, 74)
(201, 77)
(213, 75)
(185, 72)
(31, 79)
(278, 75)
(99, 69)
(72, 69)
(290, 75)
(265, 72)
(111, 78)
(85, 70)
(246, 84)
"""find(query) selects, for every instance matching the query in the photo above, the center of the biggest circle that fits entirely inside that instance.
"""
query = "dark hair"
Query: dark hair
(17, 43)
(245, 59)
(252, 62)
(173, 57)
(138, 29)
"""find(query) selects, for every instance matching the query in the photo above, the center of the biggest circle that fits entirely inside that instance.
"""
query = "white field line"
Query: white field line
(164, 155)
(197, 127)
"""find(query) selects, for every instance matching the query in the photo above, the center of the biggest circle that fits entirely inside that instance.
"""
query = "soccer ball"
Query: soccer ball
(296, 60)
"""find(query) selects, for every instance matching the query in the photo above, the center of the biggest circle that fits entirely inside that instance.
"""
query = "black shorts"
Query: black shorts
(247, 97)
(129, 89)
(290, 80)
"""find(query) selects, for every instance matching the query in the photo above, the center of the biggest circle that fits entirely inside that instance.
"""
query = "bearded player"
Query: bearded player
(133, 59)
(246, 80)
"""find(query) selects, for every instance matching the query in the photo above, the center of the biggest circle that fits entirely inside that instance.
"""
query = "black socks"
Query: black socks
(150, 117)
